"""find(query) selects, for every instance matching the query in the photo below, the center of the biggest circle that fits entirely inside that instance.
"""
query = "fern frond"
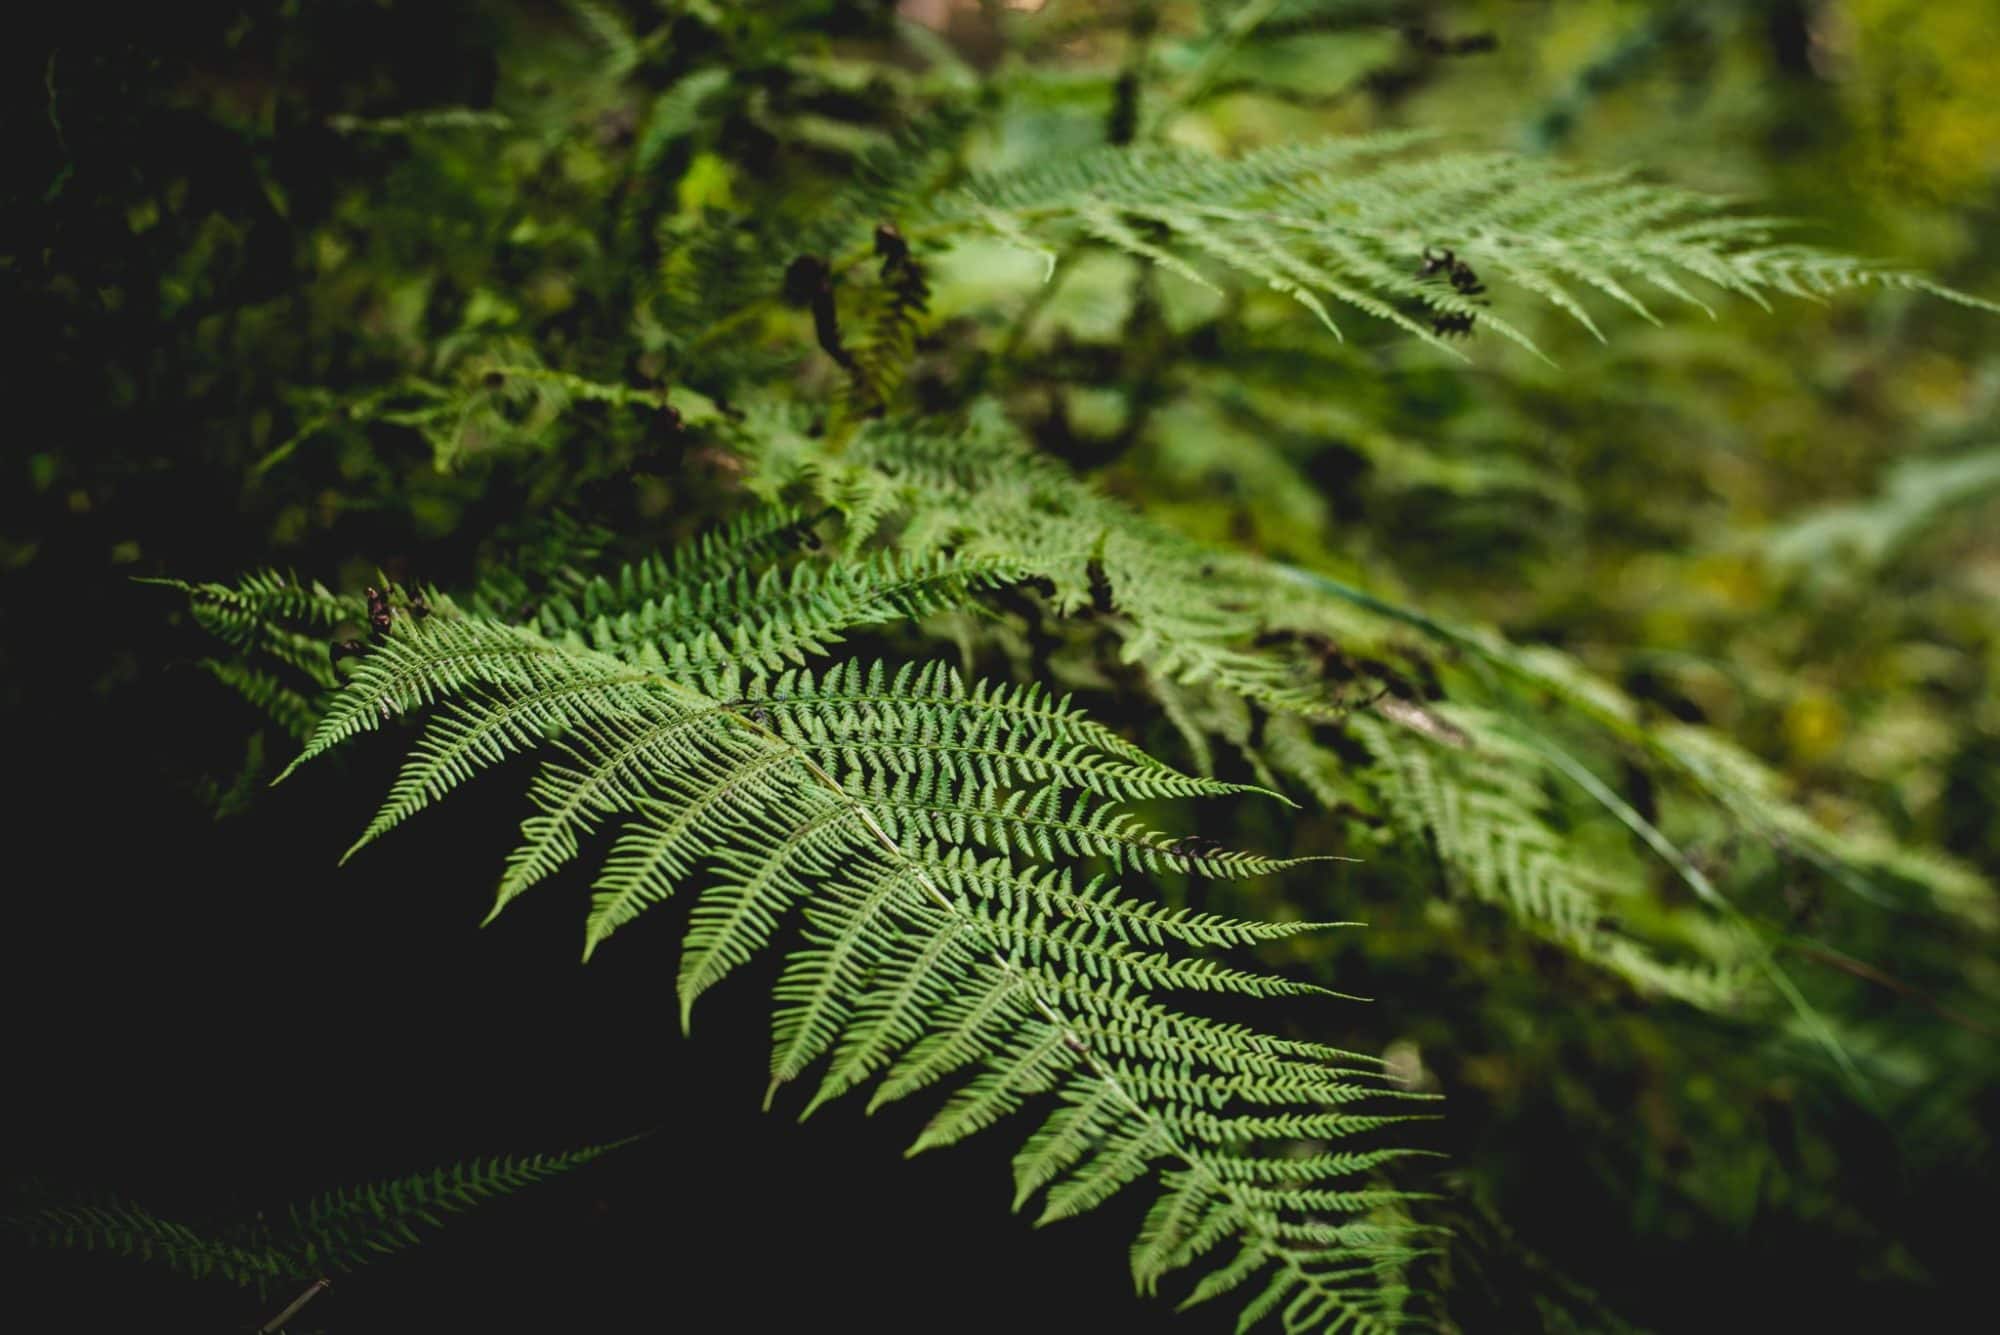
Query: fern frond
(1861, 858)
(124, 1228)
(269, 612)
(857, 799)
(1360, 223)
(979, 491)
(343, 1229)
(280, 631)
(333, 1233)
(445, 656)
(1917, 493)
(1738, 784)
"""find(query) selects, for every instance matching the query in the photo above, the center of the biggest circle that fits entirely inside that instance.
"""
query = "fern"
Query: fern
(329, 1234)
(978, 490)
(924, 833)
(951, 864)
(1474, 796)
(922, 830)
(1360, 222)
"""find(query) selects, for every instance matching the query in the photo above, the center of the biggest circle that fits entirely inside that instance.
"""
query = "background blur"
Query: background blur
(218, 222)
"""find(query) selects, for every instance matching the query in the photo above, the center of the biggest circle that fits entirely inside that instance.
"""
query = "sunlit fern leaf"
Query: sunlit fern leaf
(658, 617)
(930, 749)
(917, 828)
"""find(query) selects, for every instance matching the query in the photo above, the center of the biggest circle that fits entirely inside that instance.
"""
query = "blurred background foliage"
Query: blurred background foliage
(347, 287)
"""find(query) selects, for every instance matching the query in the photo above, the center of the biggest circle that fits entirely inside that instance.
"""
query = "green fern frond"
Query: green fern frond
(979, 491)
(1739, 785)
(123, 1228)
(1916, 495)
(280, 630)
(1861, 858)
(857, 799)
(269, 612)
(1360, 223)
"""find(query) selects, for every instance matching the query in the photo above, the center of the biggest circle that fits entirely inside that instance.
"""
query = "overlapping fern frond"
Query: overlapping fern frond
(278, 629)
(977, 489)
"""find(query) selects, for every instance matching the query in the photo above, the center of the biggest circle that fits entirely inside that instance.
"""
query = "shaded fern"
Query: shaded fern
(332, 1233)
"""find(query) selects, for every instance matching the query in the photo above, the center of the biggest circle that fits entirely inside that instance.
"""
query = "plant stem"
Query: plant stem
(297, 1305)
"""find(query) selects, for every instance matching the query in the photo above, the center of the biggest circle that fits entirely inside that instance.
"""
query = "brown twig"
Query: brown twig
(297, 1305)
(1868, 972)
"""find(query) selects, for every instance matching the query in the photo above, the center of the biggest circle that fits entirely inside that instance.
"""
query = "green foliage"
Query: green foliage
(963, 505)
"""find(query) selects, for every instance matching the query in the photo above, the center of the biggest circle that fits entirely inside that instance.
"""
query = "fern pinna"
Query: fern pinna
(925, 830)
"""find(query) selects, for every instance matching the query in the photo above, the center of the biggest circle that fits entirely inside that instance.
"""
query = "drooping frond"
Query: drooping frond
(286, 705)
(978, 488)
(1862, 858)
(127, 1229)
(921, 831)
(280, 630)
(343, 1228)
(1744, 789)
